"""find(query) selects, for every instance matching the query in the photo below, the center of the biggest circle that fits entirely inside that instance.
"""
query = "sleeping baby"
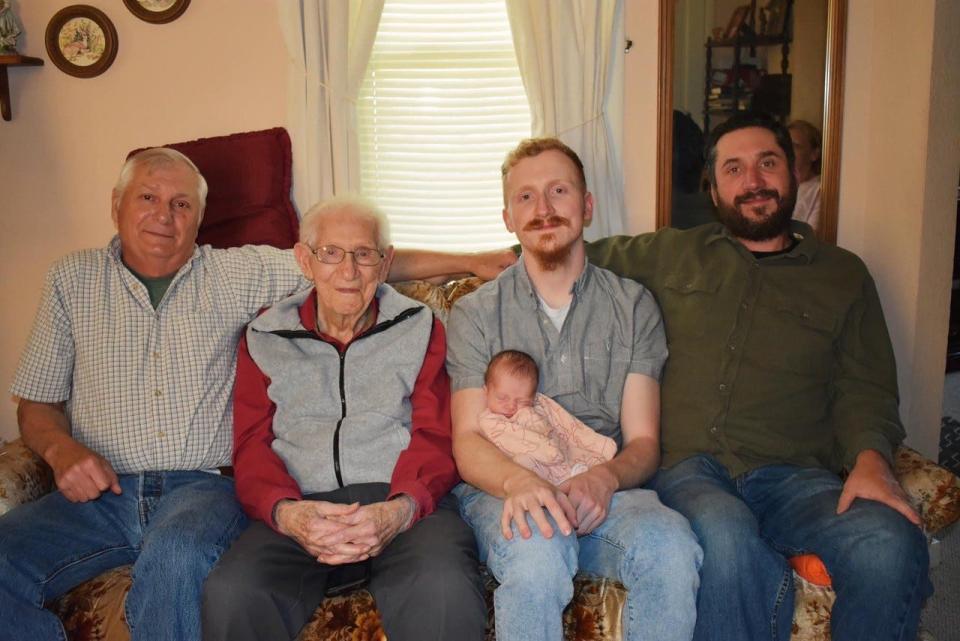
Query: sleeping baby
(533, 429)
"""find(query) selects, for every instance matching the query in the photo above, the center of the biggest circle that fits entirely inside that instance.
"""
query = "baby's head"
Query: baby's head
(510, 382)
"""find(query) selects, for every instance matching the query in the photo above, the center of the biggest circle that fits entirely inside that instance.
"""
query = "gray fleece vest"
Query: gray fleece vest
(344, 419)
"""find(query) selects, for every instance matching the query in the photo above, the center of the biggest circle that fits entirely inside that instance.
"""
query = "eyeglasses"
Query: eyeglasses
(333, 255)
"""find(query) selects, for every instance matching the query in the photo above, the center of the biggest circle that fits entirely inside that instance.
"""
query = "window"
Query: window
(441, 105)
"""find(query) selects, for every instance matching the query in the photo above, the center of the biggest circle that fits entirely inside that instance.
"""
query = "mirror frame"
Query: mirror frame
(832, 116)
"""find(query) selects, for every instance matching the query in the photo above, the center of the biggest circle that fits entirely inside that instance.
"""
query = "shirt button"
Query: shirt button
(732, 347)
(723, 387)
(714, 429)
(161, 434)
(157, 392)
(744, 305)
(563, 358)
(156, 354)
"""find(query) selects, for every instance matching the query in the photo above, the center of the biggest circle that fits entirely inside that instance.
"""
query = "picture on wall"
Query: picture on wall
(81, 41)
(157, 11)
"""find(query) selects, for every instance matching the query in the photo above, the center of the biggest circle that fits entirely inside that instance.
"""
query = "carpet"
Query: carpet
(950, 444)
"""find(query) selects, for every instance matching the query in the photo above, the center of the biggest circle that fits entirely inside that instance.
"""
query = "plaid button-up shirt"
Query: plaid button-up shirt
(149, 389)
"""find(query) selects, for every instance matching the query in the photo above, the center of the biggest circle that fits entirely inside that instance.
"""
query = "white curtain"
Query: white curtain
(569, 55)
(328, 46)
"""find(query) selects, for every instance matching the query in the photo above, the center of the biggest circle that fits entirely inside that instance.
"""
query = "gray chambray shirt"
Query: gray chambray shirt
(613, 328)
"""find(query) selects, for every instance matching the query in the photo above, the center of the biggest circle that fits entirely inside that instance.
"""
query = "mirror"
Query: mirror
(715, 56)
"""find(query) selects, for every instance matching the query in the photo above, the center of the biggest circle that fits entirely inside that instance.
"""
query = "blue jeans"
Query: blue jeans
(747, 526)
(643, 544)
(172, 526)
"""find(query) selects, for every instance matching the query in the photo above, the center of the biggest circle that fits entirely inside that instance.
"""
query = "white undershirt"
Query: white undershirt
(556, 315)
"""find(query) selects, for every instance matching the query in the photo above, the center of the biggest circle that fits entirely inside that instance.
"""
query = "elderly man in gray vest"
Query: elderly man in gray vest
(342, 452)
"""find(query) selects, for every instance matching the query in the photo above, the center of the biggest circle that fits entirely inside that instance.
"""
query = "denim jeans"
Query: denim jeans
(747, 526)
(172, 526)
(643, 544)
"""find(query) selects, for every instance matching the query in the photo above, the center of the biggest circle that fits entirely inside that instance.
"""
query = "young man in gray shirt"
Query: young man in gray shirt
(600, 344)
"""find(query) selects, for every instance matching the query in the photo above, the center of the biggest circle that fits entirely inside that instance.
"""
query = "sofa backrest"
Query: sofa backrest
(249, 175)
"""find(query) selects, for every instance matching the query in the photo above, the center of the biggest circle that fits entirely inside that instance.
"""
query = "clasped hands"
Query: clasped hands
(580, 503)
(339, 533)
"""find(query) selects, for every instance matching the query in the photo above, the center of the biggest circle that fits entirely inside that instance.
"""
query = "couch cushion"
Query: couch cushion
(249, 175)
(933, 489)
(24, 477)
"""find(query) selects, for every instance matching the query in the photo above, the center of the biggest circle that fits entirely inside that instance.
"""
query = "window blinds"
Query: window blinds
(441, 105)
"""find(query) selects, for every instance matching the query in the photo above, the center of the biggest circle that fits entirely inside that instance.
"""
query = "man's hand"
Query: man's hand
(367, 530)
(590, 494)
(310, 522)
(81, 474)
(488, 265)
(525, 492)
(872, 478)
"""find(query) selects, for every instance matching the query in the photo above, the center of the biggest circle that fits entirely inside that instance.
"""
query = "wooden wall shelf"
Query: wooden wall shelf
(12, 60)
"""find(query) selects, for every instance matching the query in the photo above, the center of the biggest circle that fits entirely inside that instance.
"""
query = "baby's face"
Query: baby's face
(507, 393)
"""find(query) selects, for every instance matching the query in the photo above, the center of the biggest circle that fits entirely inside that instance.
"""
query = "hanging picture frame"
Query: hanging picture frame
(157, 11)
(737, 20)
(81, 41)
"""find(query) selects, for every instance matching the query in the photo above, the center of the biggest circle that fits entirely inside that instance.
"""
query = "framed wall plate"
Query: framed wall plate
(81, 41)
(157, 11)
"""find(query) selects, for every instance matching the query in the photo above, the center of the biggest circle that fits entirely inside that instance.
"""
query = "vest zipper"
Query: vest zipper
(343, 415)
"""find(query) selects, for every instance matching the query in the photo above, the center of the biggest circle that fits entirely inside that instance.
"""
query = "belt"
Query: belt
(226, 471)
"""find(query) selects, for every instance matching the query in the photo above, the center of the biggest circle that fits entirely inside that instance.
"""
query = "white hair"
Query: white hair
(155, 157)
(357, 206)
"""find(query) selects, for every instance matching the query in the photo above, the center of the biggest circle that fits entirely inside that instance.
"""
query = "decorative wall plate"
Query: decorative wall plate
(157, 11)
(81, 41)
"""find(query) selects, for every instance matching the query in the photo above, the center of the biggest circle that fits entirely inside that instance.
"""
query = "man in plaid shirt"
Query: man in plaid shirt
(125, 391)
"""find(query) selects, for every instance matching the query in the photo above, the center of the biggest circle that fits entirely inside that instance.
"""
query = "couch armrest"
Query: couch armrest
(24, 477)
(935, 491)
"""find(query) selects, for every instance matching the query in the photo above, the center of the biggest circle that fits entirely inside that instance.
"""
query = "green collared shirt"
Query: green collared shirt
(783, 359)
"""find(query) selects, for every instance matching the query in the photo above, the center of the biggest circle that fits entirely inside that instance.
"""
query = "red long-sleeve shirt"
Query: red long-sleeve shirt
(425, 471)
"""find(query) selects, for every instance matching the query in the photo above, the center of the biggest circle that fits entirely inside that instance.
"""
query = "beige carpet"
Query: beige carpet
(941, 615)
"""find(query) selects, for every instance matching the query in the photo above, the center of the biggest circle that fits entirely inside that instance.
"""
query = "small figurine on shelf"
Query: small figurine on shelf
(9, 28)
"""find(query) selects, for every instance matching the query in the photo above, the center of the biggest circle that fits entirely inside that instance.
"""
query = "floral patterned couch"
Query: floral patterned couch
(93, 611)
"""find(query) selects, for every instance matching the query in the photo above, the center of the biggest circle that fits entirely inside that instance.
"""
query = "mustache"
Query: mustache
(540, 223)
(760, 193)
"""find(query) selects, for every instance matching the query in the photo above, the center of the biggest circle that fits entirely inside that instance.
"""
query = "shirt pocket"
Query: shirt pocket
(688, 301)
(606, 362)
(802, 335)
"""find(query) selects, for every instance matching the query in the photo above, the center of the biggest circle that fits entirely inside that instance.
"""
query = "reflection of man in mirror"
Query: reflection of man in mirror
(806, 149)
(781, 377)
(690, 204)
(9, 28)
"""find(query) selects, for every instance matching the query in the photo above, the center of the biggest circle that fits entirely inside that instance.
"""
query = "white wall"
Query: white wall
(218, 69)
(901, 160)
(640, 115)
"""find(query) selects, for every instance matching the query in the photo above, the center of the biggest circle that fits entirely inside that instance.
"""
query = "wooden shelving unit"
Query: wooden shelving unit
(737, 91)
(12, 60)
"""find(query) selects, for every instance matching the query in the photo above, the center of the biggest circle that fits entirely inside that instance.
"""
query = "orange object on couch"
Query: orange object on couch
(811, 568)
